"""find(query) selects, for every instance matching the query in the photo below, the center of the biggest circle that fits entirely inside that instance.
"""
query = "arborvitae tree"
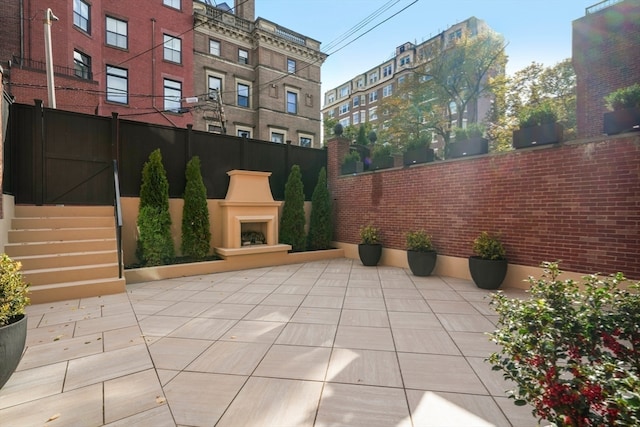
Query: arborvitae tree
(292, 221)
(155, 245)
(362, 136)
(196, 233)
(320, 225)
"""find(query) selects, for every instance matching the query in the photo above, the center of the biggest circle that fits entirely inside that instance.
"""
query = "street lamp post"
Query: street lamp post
(48, 17)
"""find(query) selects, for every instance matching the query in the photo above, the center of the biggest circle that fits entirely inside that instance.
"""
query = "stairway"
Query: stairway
(67, 252)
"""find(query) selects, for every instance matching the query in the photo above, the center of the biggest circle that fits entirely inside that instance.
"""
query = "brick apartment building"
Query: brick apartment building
(355, 101)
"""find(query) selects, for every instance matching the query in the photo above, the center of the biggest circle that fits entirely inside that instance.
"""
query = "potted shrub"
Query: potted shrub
(381, 157)
(421, 255)
(13, 320)
(370, 248)
(417, 151)
(572, 349)
(488, 267)
(538, 125)
(468, 142)
(351, 163)
(624, 104)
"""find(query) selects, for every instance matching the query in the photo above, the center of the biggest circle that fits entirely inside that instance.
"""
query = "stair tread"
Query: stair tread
(76, 267)
(64, 254)
(104, 239)
(75, 283)
(62, 228)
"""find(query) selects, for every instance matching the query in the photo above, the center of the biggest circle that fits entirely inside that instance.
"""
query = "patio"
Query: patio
(328, 343)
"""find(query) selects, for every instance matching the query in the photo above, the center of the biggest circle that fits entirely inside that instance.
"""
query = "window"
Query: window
(373, 96)
(82, 15)
(306, 141)
(172, 95)
(344, 91)
(345, 122)
(292, 102)
(214, 47)
(243, 56)
(401, 80)
(172, 3)
(277, 137)
(116, 32)
(387, 91)
(291, 66)
(360, 82)
(373, 115)
(344, 108)
(356, 118)
(455, 35)
(356, 101)
(387, 70)
(331, 113)
(363, 99)
(117, 85)
(405, 60)
(363, 116)
(243, 95)
(172, 48)
(373, 77)
(82, 65)
(214, 128)
(331, 98)
(243, 133)
(215, 85)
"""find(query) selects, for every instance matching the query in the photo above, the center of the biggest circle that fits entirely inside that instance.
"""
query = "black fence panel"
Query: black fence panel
(218, 155)
(19, 157)
(265, 156)
(310, 161)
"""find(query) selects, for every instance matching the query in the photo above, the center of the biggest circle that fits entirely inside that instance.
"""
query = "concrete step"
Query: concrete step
(22, 211)
(71, 259)
(34, 223)
(46, 276)
(40, 294)
(58, 247)
(60, 234)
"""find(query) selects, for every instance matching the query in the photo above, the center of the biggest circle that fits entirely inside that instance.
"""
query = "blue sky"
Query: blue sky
(536, 30)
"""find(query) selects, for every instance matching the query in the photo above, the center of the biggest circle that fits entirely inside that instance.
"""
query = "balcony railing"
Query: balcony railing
(599, 6)
(57, 69)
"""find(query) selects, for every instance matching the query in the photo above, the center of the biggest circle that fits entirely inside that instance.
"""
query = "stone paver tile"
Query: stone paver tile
(77, 408)
(318, 335)
(371, 318)
(437, 372)
(493, 380)
(474, 343)
(260, 288)
(228, 286)
(239, 358)
(407, 305)
(294, 362)
(475, 296)
(148, 307)
(357, 282)
(364, 303)
(120, 338)
(131, 394)
(72, 314)
(120, 308)
(437, 409)
(327, 316)
(176, 353)
(33, 384)
(203, 328)
(402, 293)
(327, 282)
(204, 407)
(174, 295)
(360, 405)
(160, 326)
(254, 331)
(293, 289)
(364, 292)
(58, 351)
(228, 311)
(328, 291)
(483, 307)
(519, 416)
(363, 337)
(186, 309)
(49, 334)
(440, 295)
(465, 322)
(396, 284)
(107, 323)
(410, 320)
(209, 296)
(291, 300)
(424, 341)
(156, 417)
(452, 307)
(244, 298)
(105, 366)
(273, 402)
(39, 309)
(368, 367)
(271, 313)
(166, 375)
(322, 301)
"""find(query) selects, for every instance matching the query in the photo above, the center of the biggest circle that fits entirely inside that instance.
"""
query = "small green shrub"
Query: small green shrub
(369, 235)
(535, 115)
(418, 241)
(473, 130)
(13, 290)
(196, 232)
(293, 219)
(489, 246)
(362, 136)
(414, 144)
(626, 97)
(320, 224)
(351, 156)
(381, 151)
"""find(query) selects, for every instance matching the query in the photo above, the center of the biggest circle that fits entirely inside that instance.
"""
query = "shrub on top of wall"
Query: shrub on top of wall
(196, 232)
(292, 221)
(320, 225)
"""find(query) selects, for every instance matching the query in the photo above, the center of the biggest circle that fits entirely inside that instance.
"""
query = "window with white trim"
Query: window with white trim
(331, 98)
(243, 94)
(387, 90)
(373, 114)
(344, 108)
(331, 113)
(360, 82)
(291, 66)
(243, 132)
(401, 79)
(405, 60)
(116, 32)
(117, 85)
(82, 15)
(243, 56)
(172, 95)
(356, 101)
(363, 116)
(214, 47)
(172, 49)
(215, 86)
(345, 122)
(277, 137)
(344, 91)
(306, 141)
(356, 118)
(387, 70)
(373, 96)
(373, 77)
(172, 3)
(292, 102)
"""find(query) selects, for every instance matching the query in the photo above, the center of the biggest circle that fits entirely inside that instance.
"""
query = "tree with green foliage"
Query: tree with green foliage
(320, 224)
(293, 219)
(362, 136)
(155, 245)
(196, 233)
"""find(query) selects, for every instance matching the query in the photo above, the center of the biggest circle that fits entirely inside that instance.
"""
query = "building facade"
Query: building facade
(355, 101)
(254, 78)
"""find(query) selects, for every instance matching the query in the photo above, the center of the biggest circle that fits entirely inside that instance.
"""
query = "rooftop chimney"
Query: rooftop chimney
(246, 9)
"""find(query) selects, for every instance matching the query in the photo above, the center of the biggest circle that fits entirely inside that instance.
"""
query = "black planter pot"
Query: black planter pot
(469, 147)
(418, 155)
(487, 273)
(422, 263)
(549, 133)
(12, 341)
(382, 163)
(370, 253)
(620, 121)
(352, 167)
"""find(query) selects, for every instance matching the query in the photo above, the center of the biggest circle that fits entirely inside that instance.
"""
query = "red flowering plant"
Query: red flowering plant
(572, 349)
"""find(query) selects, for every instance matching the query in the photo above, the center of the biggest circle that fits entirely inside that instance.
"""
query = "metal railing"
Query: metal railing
(57, 69)
(599, 6)
(117, 205)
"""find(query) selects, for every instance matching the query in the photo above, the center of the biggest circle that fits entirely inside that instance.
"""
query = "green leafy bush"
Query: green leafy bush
(572, 349)
(380, 151)
(13, 290)
(351, 156)
(196, 232)
(418, 241)
(369, 235)
(489, 246)
(293, 219)
(320, 224)
(535, 115)
(626, 97)
(473, 130)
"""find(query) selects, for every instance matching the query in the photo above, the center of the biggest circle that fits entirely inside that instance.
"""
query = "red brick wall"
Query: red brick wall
(606, 56)
(577, 202)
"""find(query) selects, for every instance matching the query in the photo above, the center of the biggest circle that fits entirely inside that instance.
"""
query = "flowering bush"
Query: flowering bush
(573, 350)
(369, 235)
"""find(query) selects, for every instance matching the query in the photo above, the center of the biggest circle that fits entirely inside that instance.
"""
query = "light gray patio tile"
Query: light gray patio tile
(368, 367)
(519, 416)
(245, 298)
(364, 292)
(185, 309)
(209, 296)
(361, 337)
(174, 295)
(327, 316)
(125, 337)
(437, 372)
(58, 351)
(483, 307)
(203, 328)
(322, 301)
(412, 293)
(239, 358)
(465, 322)
(254, 331)
(166, 375)
(474, 343)
(493, 380)
(359, 282)
(157, 417)
(273, 402)
(176, 353)
(364, 303)
(424, 341)
(204, 408)
(452, 307)
(293, 289)
(71, 315)
(475, 296)
(148, 307)
(102, 324)
(294, 362)
(271, 313)
(40, 309)
(318, 335)
(326, 282)
(230, 285)
(409, 320)
(32, 384)
(391, 283)
(440, 295)
(49, 334)
(161, 326)
(291, 300)
(228, 311)
(364, 318)
(328, 291)
(131, 394)
(407, 304)
(120, 308)
(361, 405)
(431, 283)
(258, 287)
